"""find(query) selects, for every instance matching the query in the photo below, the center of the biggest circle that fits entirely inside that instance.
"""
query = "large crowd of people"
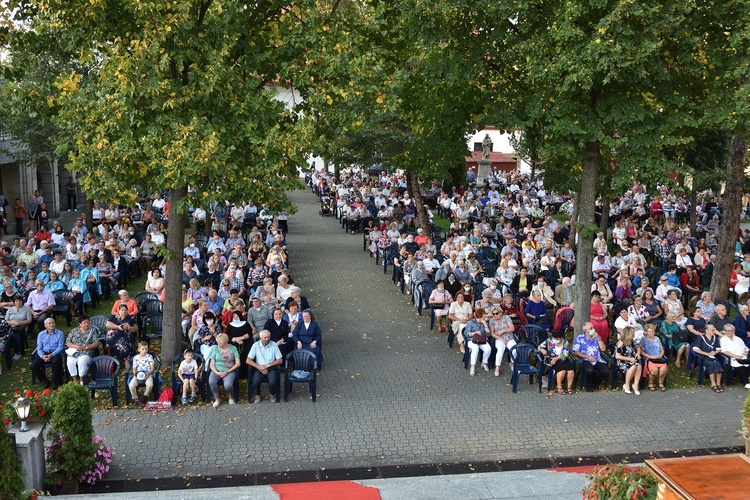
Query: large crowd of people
(241, 306)
(506, 260)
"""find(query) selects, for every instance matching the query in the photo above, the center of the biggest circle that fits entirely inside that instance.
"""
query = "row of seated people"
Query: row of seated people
(84, 340)
(457, 307)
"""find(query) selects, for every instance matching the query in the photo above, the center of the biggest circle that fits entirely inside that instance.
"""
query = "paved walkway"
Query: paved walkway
(392, 394)
(537, 484)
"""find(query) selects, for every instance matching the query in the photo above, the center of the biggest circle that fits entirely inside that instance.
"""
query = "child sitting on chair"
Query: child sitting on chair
(143, 371)
(188, 371)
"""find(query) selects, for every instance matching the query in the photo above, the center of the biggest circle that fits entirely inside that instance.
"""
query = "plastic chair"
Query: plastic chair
(523, 354)
(157, 379)
(141, 297)
(103, 370)
(100, 322)
(200, 379)
(422, 295)
(531, 334)
(152, 327)
(62, 304)
(150, 306)
(305, 361)
(146, 308)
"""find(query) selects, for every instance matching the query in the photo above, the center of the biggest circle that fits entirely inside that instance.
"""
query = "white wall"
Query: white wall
(291, 98)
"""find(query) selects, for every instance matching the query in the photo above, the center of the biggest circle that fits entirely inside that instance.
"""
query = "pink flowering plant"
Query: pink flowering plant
(102, 460)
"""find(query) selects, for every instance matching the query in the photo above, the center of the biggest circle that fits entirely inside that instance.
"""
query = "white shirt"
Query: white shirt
(734, 346)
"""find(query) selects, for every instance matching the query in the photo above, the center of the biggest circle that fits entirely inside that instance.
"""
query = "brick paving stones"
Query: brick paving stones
(391, 393)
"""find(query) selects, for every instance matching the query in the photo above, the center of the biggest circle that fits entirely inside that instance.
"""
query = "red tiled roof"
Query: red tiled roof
(495, 157)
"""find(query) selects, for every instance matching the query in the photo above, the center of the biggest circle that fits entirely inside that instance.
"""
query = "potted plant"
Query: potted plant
(42, 403)
(619, 482)
(745, 432)
(71, 453)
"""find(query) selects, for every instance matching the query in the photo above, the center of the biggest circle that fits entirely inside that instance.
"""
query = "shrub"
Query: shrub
(619, 482)
(11, 474)
(71, 453)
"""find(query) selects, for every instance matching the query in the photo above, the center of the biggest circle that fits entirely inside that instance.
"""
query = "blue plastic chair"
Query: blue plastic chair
(532, 334)
(152, 327)
(523, 354)
(62, 305)
(103, 371)
(422, 295)
(100, 323)
(305, 361)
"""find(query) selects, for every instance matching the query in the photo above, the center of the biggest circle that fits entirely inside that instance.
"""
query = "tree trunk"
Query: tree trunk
(587, 231)
(89, 214)
(412, 185)
(730, 222)
(171, 344)
(693, 200)
(574, 219)
(604, 222)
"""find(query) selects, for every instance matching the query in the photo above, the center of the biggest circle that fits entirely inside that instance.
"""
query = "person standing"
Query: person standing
(19, 212)
(31, 209)
(72, 189)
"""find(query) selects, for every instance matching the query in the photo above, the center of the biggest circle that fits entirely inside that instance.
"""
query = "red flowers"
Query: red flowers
(6, 421)
(46, 392)
(28, 393)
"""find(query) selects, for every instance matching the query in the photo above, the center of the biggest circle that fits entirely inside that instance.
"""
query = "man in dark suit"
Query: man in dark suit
(119, 270)
(708, 272)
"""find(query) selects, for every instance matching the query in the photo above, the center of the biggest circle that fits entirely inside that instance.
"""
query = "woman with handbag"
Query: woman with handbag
(476, 332)
(557, 355)
(653, 351)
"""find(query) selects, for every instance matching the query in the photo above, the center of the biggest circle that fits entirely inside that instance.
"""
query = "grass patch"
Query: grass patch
(441, 222)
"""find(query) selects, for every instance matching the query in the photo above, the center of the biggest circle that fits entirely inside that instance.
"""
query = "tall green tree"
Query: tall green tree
(182, 100)
(721, 41)
(599, 79)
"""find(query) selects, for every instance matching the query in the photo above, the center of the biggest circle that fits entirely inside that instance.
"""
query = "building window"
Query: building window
(477, 146)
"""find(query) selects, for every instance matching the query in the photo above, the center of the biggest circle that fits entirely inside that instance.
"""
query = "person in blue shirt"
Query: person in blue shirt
(50, 344)
(43, 273)
(215, 303)
(673, 281)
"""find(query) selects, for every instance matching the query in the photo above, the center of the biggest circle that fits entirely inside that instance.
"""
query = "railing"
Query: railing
(4, 134)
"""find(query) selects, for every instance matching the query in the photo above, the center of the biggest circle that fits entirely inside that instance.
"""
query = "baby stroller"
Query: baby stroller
(325, 205)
